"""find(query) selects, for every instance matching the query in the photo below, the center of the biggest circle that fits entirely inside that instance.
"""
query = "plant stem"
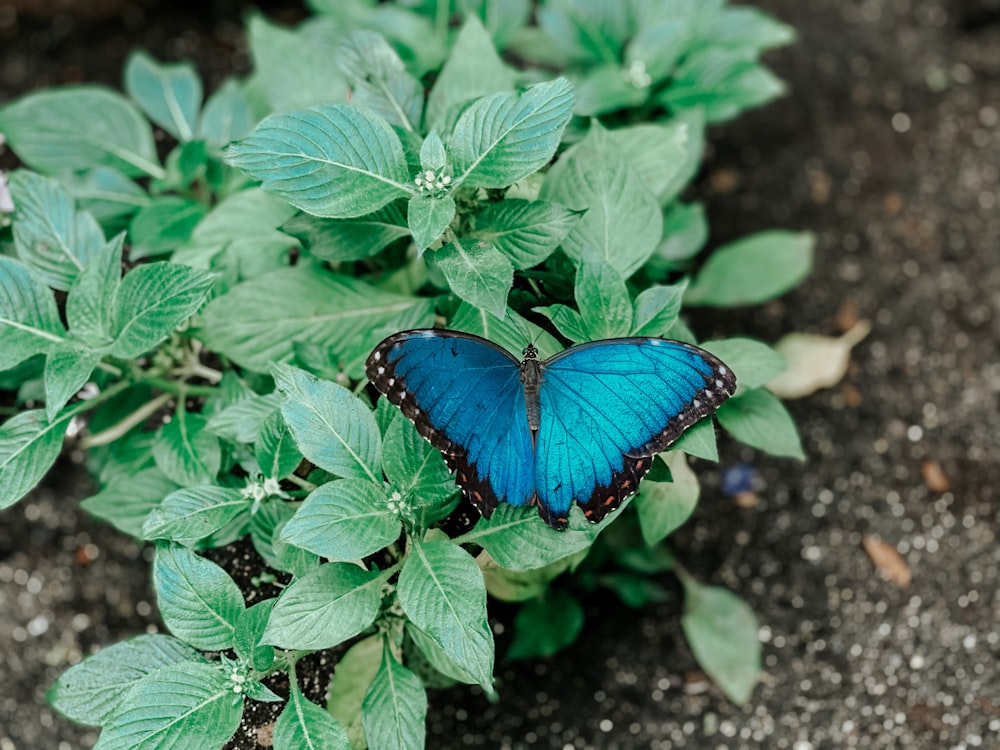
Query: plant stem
(178, 388)
(303, 483)
(116, 431)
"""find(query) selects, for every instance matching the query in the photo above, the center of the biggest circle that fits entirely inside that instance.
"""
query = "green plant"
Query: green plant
(209, 356)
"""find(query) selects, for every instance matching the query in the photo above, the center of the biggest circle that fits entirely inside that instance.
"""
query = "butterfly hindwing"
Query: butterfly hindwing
(608, 407)
(464, 395)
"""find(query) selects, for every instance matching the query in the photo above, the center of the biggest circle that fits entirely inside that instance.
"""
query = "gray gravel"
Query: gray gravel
(889, 149)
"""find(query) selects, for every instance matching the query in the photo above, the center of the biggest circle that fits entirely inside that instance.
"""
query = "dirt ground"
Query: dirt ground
(888, 148)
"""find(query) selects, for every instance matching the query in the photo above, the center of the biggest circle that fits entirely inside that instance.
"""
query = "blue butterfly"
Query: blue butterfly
(583, 425)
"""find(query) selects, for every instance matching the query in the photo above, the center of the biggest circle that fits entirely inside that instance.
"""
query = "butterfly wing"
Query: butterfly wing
(464, 394)
(607, 408)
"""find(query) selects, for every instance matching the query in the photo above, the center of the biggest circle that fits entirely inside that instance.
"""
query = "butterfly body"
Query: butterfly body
(580, 426)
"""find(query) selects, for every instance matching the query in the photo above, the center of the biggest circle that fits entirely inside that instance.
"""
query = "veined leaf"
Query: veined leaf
(191, 514)
(380, 81)
(664, 506)
(50, 236)
(759, 419)
(546, 626)
(753, 269)
(186, 451)
(249, 630)
(258, 322)
(656, 151)
(331, 604)
(305, 726)
(603, 299)
(349, 684)
(187, 705)
(91, 691)
(656, 309)
(126, 501)
(477, 272)
(622, 223)
(91, 306)
(753, 362)
(163, 225)
(699, 440)
(503, 138)
(29, 318)
(169, 94)
(153, 300)
(525, 231)
(277, 453)
(80, 127)
(334, 161)
(441, 590)
(29, 445)
(428, 216)
(512, 331)
(66, 371)
(343, 520)
(338, 240)
(473, 69)
(722, 632)
(198, 600)
(105, 193)
(413, 466)
(395, 707)
(331, 426)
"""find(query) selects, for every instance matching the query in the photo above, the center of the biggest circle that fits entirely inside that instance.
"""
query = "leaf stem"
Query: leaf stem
(172, 386)
(303, 483)
(118, 430)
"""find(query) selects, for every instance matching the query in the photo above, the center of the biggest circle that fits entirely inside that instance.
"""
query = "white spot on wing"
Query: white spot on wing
(719, 383)
(392, 382)
(377, 356)
(722, 369)
(381, 370)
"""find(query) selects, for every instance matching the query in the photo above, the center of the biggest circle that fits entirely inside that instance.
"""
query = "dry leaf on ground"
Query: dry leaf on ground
(814, 362)
(887, 560)
(934, 476)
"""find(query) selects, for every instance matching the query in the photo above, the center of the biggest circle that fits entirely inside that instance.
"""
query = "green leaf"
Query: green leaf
(432, 153)
(699, 440)
(169, 94)
(77, 128)
(721, 82)
(512, 332)
(748, 27)
(105, 193)
(249, 630)
(349, 684)
(50, 236)
(658, 46)
(379, 80)
(603, 299)
(441, 590)
(91, 691)
(327, 606)
(424, 647)
(265, 523)
(187, 452)
(187, 705)
(567, 321)
(753, 362)
(153, 300)
(428, 216)
(760, 420)
(605, 89)
(518, 540)
(242, 421)
(198, 600)
(656, 151)
(294, 67)
(525, 231)
(685, 231)
(753, 270)
(334, 161)
(258, 322)
(502, 18)
(478, 273)
(191, 514)
(127, 501)
(656, 309)
(29, 445)
(226, 116)
(413, 467)
(29, 318)
(343, 520)
(473, 69)
(395, 708)
(623, 223)
(722, 632)
(546, 626)
(503, 138)
(163, 225)
(665, 506)
(522, 585)
(65, 374)
(338, 240)
(91, 305)
(241, 216)
(591, 32)
(277, 453)
(693, 123)
(305, 726)
(331, 426)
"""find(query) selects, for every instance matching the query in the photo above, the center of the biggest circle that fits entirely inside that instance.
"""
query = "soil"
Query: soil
(888, 148)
